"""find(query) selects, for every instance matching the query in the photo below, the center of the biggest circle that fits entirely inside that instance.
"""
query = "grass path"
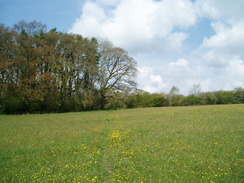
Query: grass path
(181, 144)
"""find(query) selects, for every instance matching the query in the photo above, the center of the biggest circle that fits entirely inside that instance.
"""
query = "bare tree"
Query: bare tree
(117, 71)
(196, 90)
(174, 92)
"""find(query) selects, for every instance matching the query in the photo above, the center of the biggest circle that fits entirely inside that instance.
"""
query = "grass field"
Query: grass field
(178, 144)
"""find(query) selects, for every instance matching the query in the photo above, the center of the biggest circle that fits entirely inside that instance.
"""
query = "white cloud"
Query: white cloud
(181, 62)
(220, 10)
(137, 25)
(108, 2)
(149, 81)
(182, 74)
(221, 55)
(154, 31)
(228, 38)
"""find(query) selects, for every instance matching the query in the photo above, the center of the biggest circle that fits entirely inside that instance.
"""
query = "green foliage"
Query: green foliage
(173, 144)
(145, 99)
(116, 101)
(192, 100)
(210, 98)
(13, 105)
(238, 95)
(224, 97)
(177, 100)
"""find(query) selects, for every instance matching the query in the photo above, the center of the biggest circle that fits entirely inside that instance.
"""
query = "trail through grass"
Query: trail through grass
(181, 144)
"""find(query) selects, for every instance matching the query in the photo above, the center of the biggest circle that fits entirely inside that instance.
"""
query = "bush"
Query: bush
(13, 105)
(192, 100)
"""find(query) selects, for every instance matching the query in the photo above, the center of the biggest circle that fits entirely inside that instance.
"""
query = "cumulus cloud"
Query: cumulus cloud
(149, 81)
(154, 33)
(183, 74)
(228, 38)
(137, 25)
(221, 55)
(225, 10)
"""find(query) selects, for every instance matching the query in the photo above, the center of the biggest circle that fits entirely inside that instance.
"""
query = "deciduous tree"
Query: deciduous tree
(117, 71)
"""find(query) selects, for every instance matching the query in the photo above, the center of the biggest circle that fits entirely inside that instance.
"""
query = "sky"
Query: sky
(175, 42)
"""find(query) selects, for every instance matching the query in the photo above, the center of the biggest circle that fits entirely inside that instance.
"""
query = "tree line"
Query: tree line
(145, 99)
(49, 71)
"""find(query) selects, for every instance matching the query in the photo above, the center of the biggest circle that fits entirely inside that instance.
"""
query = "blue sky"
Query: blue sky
(53, 13)
(175, 42)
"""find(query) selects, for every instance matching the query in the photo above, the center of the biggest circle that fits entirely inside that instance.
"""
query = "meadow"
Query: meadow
(170, 144)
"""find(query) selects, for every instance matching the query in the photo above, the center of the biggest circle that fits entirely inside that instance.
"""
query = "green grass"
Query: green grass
(178, 144)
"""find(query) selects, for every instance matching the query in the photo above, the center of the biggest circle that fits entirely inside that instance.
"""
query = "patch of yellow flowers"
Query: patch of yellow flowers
(115, 134)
